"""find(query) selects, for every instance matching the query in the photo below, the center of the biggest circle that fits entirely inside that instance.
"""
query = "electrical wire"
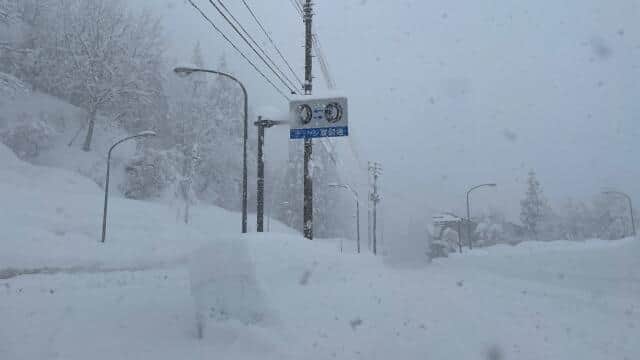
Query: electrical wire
(255, 43)
(324, 65)
(235, 28)
(237, 49)
(266, 33)
(296, 6)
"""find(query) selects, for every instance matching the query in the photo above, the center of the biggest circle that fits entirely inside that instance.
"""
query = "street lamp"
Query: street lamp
(355, 196)
(620, 193)
(186, 71)
(469, 212)
(106, 184)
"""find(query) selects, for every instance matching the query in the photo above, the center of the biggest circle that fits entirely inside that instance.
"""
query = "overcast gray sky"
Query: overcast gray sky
(447, 94)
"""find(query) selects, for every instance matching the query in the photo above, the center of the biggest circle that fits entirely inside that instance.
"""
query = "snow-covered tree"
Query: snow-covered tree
(332, 210)
(579, 221)
(533, 207)
(197, 58)
(7, 8)
(28, 136)
(611, 217)
(95, 54)
(219, 177)
(199, 147)
(491, 228)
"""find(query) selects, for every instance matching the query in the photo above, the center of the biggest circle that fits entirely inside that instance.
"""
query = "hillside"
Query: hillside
(55, 216)
(48, 131)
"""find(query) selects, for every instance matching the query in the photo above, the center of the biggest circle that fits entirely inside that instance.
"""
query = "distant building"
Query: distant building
(448, 229)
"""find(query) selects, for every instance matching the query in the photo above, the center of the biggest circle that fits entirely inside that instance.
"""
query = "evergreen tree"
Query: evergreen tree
(611, 217)
(197, 59)
(533, 207)
(202, 139)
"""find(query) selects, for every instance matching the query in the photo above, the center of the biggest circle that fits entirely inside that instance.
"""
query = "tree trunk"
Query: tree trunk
(92, 122)
(186, 212)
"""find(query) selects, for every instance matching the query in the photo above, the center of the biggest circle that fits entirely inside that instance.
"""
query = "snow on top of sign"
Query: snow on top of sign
(323, 94)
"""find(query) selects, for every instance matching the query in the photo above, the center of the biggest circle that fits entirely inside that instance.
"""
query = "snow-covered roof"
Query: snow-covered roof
(446, 217)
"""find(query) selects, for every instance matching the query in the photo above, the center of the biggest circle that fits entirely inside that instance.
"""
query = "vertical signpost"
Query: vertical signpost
(312, 118)
(262, 124)
(306, 114)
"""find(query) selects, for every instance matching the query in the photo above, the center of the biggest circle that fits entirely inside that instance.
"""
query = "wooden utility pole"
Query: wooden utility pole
(260, 200)
(308, 143)
(376, 170)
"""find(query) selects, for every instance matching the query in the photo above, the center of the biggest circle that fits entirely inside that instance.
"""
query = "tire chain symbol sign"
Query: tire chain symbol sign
(319, 117)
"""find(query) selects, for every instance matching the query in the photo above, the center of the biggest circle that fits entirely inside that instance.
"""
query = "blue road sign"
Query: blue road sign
(311, 133)
(311, 117)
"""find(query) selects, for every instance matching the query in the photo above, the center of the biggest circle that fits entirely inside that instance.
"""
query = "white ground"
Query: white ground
(554, 300)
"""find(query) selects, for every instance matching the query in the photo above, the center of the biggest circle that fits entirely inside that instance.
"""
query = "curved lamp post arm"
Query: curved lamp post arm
(469, 211)
(479, 186)
(346, 186)
(355, 196)
(186, 71)
(142, 134)
(106, 183)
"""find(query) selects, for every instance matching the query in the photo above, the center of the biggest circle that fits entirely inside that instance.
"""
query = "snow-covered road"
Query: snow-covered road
(518, 303)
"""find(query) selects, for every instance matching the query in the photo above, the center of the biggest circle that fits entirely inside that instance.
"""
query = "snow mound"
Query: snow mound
(17, 174)
(52, 221)
(25, 114)
(224, 284)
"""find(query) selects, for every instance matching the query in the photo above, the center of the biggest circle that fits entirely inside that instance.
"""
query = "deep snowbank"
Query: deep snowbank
(61, 133)
(555, 300)
(52, 218)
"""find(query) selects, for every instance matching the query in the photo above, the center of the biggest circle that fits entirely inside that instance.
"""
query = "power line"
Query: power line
(272, 42)
(324, 65)
(322, 60)
(296, 6)
(257, 45)
(235, 28)
(237, 49)
(330, 82)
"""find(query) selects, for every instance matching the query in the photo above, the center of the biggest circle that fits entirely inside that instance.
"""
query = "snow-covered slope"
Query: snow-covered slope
(20, 176)
(52, 218)
(63, 124)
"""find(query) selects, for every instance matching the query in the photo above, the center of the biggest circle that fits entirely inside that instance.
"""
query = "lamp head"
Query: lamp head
(183, 71)
(147, 133)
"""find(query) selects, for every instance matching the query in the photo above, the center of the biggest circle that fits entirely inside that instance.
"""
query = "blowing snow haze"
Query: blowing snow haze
(482, 205)
(450, 93)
